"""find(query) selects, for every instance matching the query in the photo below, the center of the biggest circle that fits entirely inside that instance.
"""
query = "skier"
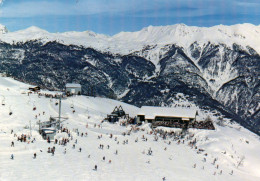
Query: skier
(104, 158)
(95, 167)
(163, 178)
(52, 151)
(12, 156)
(34, 155)
(12, 144)
(79, 149)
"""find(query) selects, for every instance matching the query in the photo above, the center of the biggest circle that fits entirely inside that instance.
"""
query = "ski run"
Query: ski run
(92, 149)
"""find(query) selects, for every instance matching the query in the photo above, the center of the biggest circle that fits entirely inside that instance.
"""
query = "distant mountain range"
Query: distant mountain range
(217, 68)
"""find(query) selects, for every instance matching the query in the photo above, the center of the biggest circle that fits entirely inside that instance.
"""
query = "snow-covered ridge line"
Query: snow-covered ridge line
(127, 42)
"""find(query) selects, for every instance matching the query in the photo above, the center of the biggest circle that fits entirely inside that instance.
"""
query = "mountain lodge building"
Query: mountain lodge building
(167, 116)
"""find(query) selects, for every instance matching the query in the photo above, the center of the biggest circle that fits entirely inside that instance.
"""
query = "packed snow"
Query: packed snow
(232, 151)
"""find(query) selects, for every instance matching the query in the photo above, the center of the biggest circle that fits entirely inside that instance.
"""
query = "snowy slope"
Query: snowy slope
(128, 42)
(174, 163)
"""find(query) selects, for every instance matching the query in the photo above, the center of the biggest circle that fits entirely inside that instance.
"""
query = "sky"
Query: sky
(113, 16)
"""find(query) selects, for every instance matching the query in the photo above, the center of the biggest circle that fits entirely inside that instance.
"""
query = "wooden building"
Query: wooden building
(167, 116)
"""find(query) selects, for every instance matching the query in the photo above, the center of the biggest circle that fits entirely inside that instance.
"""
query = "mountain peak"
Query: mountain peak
(35, 29)
(3, 29)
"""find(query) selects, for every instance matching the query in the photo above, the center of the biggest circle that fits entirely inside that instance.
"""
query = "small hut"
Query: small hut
(48, 133)
(73, 89)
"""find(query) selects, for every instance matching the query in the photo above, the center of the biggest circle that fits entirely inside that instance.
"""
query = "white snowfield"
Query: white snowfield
(129, 42)
(229, 144)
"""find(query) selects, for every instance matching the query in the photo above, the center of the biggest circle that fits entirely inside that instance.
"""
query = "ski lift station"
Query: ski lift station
(169, 115)
(48, 133)
(73, 89)
(49, 128)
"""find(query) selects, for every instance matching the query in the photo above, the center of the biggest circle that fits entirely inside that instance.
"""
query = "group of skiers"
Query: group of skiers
(157, 134)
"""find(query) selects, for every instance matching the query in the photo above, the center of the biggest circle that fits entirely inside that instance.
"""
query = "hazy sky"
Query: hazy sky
(113, 16)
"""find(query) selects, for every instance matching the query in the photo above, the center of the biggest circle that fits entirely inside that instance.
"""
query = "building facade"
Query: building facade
(167, 116)
(73, 89)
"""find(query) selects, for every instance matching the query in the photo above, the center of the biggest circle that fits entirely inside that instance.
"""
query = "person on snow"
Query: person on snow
(34, 155)
(12, 144)
(52, 151)
(79, 149)
(12, 156)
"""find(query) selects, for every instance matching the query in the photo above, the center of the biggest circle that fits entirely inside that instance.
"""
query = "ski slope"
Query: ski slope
(173, 161)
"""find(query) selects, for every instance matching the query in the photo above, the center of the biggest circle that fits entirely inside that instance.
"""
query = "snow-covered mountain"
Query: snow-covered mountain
(3, 29)
(216, 67)
(128, 42)
(234, 148)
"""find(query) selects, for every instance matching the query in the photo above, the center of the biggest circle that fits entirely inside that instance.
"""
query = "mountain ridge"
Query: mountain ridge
(180, 34)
